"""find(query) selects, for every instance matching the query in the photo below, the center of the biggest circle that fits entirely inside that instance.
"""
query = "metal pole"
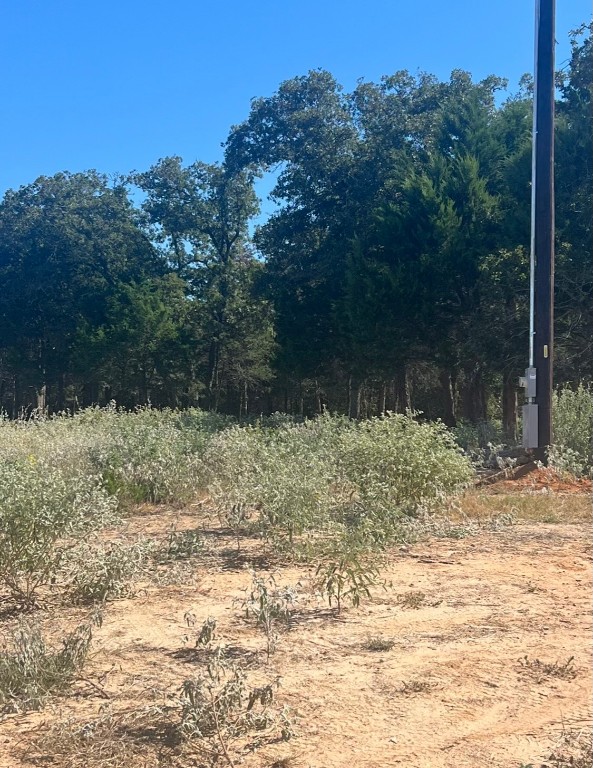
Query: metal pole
(544, 221)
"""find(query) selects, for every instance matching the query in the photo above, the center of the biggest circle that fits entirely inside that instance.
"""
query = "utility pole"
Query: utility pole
(537, 413)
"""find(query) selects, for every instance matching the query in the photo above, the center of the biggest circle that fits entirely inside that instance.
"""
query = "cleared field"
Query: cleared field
(475, 652)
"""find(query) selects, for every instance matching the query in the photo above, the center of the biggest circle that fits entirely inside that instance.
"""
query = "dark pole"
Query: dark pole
(543, 342)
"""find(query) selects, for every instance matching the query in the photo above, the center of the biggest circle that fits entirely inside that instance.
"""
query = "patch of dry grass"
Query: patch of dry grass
(524, 507)
(111, 740)
(541, 670)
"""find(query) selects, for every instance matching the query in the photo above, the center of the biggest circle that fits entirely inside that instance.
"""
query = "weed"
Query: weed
(542, 670)
(413, 599)
(115, 740)
(207, 632)
(347, 577)
(270, 606)
(378, 643)
(218, 706)
(333, 475)
(581, 757)
(179, 545)
(415, 686)
(40, 507)
(236, 518)
(573, 430)
(107, 572)
(31, 671)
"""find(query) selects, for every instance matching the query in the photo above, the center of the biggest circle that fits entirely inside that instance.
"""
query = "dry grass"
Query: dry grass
(143, 738)
(575, 751)
(378, 643)
(409, 687)
(525, 507)
(541, 670)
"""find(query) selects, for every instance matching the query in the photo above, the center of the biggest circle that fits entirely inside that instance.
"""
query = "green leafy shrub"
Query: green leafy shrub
(475, 438)
(42, 507)
(572, 417)
(284, 473)
(179, 545)
(270, 606)
(147, 455)
(396, 465)
(346, 577)
(107, 571)
(331, 473)
(30, 671)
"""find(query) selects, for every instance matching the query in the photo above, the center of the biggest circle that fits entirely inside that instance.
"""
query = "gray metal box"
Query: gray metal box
(530, 433)
(531, 382)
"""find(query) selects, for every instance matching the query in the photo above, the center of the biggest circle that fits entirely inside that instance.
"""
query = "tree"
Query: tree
(574, 202)
(199, 215)
(66, 243)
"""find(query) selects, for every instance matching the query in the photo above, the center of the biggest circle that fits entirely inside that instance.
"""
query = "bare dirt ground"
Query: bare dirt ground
(482, 630)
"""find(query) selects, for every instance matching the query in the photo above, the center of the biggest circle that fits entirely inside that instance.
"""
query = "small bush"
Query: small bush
(269, 606)
(572, 416)
(347, 576)
(106, 572)
(396, 466)
(30, 671)
(218, 706)
(285, 473)
(179, 545)
(333, 474)
(476, 439)
(42, 505)
(147, 455)
(378, 643)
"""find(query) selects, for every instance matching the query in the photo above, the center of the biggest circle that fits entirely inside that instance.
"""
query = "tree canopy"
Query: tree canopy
(393, 272)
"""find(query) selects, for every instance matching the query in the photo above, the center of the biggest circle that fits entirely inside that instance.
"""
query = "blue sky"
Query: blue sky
(117, 85)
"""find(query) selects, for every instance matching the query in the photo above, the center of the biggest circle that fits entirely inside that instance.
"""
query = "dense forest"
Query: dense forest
(393, 272)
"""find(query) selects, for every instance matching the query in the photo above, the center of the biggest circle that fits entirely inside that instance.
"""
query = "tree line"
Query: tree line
(393, 272)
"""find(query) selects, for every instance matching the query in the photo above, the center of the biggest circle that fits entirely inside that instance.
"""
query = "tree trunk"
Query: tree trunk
(16, 403)
(42, 399)
(509, 406)
(474, 400)
(383, 398)
(354, 393)
(448, 393)
(213, 360)
(318, 397)
(61, 392)
(402, 390)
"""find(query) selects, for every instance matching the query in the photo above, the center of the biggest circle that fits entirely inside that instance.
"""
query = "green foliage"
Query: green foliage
(269, 606)
(106, 572)
(179, 545)
(334, 474)
(207, 632)
(146, 455)
(284, 473)
(41, 507)
(474, 438)
(572, 414)
(218, 705)
(347, 577)
(30, 671)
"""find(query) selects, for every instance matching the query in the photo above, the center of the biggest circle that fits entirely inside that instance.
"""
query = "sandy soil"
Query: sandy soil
(460, 686)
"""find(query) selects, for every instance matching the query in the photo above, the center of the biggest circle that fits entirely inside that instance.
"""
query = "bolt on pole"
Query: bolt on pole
(537, 413)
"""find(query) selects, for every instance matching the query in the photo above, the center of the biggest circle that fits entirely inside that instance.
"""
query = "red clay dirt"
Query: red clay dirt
(548, 480)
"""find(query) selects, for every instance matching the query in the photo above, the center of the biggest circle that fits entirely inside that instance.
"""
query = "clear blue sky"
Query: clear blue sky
(117, 85)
